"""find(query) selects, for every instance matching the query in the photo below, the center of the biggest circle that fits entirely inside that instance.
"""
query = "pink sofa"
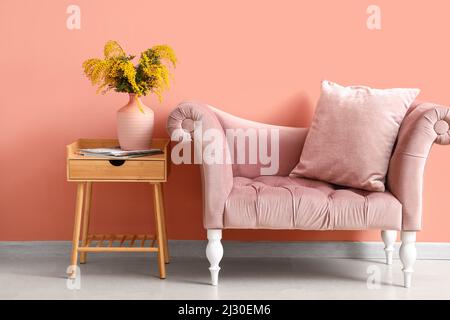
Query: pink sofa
(236, 196)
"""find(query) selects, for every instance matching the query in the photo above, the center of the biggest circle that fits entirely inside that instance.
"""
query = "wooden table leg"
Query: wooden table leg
(76, 228)
(86, 220)
(159, 230)
(164, 228)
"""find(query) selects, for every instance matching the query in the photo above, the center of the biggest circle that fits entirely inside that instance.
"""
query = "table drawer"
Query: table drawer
(116, 170)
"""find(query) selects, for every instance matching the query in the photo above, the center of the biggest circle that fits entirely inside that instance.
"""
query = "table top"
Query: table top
(74, 147)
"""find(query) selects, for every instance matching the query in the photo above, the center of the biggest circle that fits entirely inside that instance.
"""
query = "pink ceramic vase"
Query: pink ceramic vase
(135, 122)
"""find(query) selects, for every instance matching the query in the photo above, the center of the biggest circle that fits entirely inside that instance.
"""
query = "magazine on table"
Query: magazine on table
(116, 152)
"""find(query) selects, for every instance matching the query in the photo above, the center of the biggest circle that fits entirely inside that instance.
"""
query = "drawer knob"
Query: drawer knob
(117, 163)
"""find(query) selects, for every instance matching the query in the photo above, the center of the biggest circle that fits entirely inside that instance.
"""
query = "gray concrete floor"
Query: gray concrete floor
(40, 274)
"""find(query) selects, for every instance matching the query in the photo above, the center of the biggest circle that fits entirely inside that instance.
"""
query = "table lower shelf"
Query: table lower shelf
(119, 243)
(117, 249)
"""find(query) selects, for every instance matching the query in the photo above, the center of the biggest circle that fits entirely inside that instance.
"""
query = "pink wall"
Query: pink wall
(257, 59)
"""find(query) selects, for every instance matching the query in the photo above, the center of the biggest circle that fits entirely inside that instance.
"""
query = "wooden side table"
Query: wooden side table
(86, 170)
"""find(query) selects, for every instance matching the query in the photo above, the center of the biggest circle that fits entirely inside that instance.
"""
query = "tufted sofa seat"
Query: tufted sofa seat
(274, 202)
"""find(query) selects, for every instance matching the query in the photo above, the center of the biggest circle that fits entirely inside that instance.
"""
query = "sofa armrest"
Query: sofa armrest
(217, 179)
(424, 125)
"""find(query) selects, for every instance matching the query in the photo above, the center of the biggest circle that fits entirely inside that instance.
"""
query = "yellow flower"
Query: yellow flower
(116, 70)
(165, 52)
(113, 49)
(129, 72)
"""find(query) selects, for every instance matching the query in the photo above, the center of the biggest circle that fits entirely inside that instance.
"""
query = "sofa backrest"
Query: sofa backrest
(291, 142)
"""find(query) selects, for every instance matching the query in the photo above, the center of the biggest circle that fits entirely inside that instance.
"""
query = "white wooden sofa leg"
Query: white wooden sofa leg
(214, 253)
(389, 237)
(408, 254)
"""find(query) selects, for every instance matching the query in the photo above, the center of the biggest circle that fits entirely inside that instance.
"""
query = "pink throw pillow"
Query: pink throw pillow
(352, 135)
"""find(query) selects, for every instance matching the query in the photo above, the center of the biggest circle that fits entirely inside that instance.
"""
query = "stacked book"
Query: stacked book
(117, 153)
